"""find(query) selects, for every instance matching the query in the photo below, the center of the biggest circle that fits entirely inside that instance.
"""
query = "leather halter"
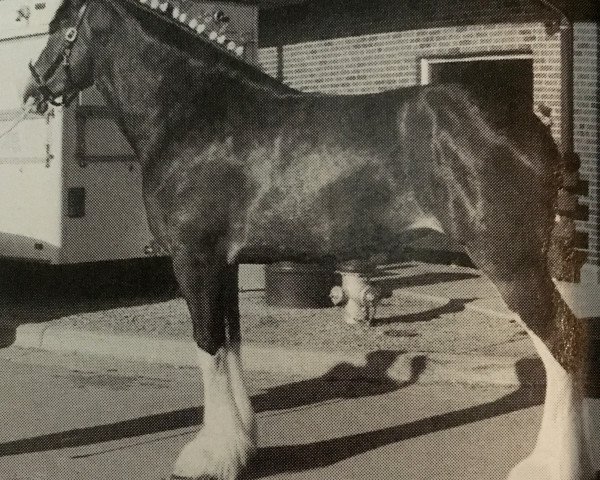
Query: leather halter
(63, 59)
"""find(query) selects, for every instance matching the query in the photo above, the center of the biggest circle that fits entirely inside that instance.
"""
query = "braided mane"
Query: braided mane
(187, 33)
(191, 35)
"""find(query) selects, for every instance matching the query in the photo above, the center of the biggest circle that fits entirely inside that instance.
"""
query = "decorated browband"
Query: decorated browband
(212, 26)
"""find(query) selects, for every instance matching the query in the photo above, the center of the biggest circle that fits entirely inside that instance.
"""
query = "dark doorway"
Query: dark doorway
(505, 84)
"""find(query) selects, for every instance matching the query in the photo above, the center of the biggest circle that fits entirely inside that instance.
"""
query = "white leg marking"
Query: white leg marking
(222, 447)
(560, 452)
(240, 394)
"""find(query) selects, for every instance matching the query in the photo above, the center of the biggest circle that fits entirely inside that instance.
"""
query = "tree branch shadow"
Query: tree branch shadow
(455, 305)
(430, 278)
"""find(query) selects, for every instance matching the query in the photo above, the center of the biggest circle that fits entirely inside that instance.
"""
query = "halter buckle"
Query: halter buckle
(71, 34)
(62, 59)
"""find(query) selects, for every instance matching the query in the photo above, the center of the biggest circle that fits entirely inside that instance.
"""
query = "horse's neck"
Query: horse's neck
(131, 89)
(160, 95)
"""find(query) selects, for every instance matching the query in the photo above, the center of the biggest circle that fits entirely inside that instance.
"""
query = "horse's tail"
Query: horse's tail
(564, 259)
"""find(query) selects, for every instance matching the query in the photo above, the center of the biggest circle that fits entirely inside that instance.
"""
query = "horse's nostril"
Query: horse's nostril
(30, 91)
(41, 106)
(32, 98)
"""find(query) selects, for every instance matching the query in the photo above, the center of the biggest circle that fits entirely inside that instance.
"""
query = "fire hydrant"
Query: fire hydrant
(358, 295)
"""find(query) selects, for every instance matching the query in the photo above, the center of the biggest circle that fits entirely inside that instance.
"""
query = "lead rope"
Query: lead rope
(27, 109)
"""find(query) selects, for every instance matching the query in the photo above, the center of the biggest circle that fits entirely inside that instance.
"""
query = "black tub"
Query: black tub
(299, 285)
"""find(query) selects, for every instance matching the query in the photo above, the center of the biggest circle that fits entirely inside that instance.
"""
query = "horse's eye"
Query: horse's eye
(59, 18)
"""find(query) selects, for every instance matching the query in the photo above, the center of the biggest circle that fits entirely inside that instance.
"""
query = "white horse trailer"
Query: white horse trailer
(70, 188)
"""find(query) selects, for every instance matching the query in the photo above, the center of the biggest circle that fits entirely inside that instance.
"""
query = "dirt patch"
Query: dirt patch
(413, 319)
(403, 323)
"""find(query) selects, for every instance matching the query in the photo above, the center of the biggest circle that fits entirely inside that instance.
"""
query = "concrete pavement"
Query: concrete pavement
(94, 418)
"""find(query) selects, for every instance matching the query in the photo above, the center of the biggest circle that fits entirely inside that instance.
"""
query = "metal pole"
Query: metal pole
(566, 82)
(566, 87)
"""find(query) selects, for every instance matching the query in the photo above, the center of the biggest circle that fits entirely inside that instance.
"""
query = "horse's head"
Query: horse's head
(65, 65)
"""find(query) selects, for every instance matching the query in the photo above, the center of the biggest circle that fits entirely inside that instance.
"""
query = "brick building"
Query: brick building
(508, 46)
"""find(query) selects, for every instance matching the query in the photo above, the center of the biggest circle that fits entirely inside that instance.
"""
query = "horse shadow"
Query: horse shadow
(389, 283)
(335, 384)
(59, 291)
(345, 380)
(295, 458)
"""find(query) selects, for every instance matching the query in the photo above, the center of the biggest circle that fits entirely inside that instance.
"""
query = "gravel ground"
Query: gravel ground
(403, 323)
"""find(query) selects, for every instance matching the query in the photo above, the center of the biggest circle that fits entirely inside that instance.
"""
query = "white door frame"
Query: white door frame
(427, 62)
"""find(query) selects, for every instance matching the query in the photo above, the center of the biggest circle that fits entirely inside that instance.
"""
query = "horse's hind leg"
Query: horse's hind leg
(495, 192)
(223, 446)
(559, 338)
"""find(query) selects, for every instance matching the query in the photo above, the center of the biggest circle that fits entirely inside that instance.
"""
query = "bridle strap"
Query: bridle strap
(61, 60)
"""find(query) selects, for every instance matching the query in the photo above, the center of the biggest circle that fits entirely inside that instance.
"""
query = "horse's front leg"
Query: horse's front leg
(223, 446)
(233, 356)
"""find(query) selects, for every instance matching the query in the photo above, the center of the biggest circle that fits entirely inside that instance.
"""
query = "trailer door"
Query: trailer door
(30, 174)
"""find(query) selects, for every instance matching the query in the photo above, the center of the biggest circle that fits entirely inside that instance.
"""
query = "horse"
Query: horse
(238, 167)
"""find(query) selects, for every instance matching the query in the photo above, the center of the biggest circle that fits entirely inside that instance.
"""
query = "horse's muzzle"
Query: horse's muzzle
(32, 98)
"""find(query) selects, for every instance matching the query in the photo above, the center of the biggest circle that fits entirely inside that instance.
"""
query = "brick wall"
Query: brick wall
(372, 63)
(376, 62)
(586, 132)
(328, 19)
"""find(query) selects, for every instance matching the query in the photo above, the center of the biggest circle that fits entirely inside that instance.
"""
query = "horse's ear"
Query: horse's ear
(76, 4)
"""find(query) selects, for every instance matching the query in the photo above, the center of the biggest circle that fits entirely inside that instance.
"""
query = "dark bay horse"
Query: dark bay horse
(238, 167)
